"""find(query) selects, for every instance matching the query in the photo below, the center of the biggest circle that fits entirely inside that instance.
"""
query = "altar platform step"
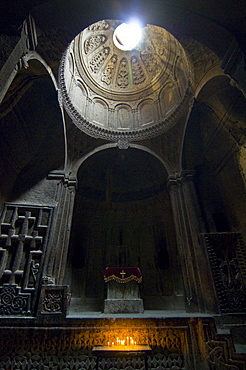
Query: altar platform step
(93, 308)
(96, 305)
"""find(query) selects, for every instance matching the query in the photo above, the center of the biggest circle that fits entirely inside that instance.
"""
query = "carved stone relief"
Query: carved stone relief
(12, 302)
(108, 72)
(23, 237)
(123, 74)
(93, 42)
(227, 255)
(137, 71)
(72, 348)
(220, 351)
(53, 300)
(97, 61)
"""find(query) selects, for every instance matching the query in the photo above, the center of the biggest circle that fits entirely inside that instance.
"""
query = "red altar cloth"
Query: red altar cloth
(123, 274)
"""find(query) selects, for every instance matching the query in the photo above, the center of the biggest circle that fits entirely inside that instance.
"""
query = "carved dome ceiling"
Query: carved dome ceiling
(124, 95)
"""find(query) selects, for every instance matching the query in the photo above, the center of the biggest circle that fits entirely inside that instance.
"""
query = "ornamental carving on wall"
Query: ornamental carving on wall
(71, 348)
(23, 237)
(227, 255)
(115, 94)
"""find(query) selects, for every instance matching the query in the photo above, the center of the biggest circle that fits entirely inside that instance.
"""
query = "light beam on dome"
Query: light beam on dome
(127, 36)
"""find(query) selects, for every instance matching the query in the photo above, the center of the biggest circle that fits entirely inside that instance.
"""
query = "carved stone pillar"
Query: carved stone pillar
(198, 283)
(59, 241)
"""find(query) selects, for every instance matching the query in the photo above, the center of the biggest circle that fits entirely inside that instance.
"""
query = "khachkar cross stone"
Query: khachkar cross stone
(123, 273)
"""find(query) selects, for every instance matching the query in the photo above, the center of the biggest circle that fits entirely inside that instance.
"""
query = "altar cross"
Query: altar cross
(122, 273)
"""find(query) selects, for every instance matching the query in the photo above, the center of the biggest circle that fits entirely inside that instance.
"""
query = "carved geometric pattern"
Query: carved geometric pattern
(99, 26)
(52, 302)
(227, 255)
(166, 360)
(53, 299)
(217, 357)
(12, 302)
(98, 59)
(108, 72)
(220, 351)
(137, 71)
(70, 347)
(123, 144)
(123, 73)
(121, 363)
(93, 42)
(23, 234)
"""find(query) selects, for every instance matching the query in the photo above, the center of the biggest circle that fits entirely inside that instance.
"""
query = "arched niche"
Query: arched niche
(32, 141)
(122, 217)
(213, 145)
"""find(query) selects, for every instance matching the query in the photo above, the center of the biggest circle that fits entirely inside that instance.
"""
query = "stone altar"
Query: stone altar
(123, 294)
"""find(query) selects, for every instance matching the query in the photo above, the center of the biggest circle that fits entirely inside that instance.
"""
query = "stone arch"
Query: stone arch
(118, 202)
(215, 132)
(78, 163)
(100, 112)
(167, 97)
(124, 116)
(147, 112)
(41, 149)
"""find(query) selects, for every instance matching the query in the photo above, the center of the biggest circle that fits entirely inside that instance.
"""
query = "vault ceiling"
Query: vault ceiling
(117, 94)
(213, 23)
(177, 16)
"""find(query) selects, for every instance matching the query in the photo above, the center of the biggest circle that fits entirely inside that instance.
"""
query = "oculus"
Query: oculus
(127, 36)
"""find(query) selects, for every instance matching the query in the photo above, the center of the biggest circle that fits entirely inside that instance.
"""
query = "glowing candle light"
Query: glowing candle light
(123, 342)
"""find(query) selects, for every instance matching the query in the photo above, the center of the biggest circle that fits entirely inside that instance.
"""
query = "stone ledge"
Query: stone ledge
(123, 306)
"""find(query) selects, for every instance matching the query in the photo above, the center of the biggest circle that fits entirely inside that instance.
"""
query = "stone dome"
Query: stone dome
(124, 95)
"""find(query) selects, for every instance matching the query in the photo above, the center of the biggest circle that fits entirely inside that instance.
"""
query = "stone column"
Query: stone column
(59, 241)
(197, 276)
(54, 296)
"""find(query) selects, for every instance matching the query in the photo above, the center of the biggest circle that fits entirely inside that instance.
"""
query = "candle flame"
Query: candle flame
(125, 342)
